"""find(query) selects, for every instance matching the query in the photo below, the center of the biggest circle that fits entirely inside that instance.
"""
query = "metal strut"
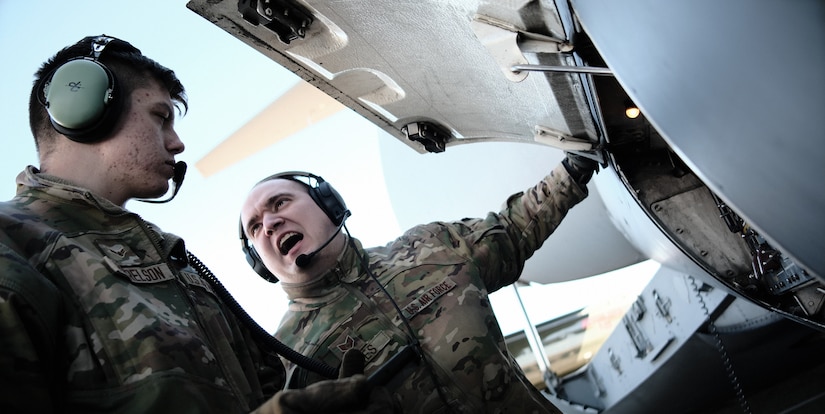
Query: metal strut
(593, 70)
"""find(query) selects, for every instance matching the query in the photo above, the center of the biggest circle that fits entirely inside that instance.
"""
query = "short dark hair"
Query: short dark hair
(132, 69)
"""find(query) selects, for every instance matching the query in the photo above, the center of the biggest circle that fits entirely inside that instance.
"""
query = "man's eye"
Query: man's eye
(254, 229)
(280, 203)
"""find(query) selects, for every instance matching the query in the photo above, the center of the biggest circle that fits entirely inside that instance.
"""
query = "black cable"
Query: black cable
(269, 341)
(419, 351)
(723, 353)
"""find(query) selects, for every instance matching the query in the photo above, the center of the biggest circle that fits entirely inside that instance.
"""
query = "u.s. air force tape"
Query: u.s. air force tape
(427, 297)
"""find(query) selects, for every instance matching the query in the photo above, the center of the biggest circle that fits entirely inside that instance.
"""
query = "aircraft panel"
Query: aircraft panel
(737, 88)
(462, 90)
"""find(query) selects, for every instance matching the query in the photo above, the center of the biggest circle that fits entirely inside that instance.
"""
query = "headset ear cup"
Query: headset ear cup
(253, 258)
(330, 202)
(81, 100)
(257, 264)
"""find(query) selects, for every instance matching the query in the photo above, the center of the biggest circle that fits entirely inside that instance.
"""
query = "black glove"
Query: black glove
(579, 167)
(350, 393)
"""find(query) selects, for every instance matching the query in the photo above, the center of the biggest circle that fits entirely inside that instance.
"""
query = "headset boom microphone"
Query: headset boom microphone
(303, 260)
(180, 173)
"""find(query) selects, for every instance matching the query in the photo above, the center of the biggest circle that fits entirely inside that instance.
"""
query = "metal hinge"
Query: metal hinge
(432, 136)
(288, 19)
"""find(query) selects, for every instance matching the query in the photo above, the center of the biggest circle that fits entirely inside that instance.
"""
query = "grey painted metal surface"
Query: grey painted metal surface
(738, 89)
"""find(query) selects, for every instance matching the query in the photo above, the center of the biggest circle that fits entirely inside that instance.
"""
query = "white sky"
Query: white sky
(228, 83)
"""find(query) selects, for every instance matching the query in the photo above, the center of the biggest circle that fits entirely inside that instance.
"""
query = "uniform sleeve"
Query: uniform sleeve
(268, 367)
(28, 333)
(502, 242)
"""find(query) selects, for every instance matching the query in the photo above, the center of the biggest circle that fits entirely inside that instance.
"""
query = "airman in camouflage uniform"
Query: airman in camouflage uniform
(101, 311)
(439, 275)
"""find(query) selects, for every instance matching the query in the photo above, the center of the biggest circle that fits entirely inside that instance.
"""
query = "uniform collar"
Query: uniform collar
(328, 286)
(32, 178)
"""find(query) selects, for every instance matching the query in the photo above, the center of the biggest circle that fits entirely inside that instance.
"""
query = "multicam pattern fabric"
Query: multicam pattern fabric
(100, 312)
(439, 275)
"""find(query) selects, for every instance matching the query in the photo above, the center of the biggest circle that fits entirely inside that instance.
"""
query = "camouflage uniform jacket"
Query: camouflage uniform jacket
(439, 275)
(101, 312)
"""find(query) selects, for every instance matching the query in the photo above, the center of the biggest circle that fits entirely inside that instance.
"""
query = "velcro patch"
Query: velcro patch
(149, 274)
(375, 345)
(347, 340)
(193, 279)
(427, 297)
(118, 251)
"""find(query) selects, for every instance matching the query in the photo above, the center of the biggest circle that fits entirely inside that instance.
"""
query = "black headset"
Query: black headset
(82, 96)
(322, 193)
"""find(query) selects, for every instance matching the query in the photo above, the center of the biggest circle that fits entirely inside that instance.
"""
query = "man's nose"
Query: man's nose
(271, 222)
(174, 143)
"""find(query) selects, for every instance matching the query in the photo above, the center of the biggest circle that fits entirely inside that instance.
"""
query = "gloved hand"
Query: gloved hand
(349, 394)
(580, 167)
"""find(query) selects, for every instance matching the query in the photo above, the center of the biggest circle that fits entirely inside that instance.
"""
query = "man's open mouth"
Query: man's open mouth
(288, 241)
